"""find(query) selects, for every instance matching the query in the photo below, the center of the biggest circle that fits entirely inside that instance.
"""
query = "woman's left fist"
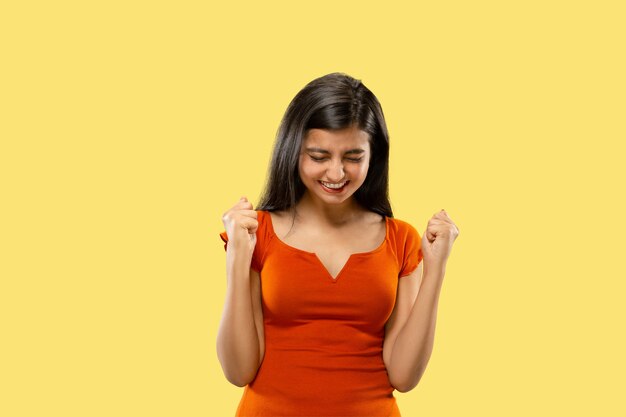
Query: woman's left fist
(438, 239)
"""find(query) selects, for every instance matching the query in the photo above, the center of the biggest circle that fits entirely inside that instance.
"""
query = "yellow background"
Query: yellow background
(128, 128)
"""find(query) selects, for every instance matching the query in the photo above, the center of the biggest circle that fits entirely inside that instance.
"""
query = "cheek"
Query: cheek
(362, 171)
(307, 169)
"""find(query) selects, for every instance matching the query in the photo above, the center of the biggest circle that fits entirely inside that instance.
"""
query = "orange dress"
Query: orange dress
(324, 336)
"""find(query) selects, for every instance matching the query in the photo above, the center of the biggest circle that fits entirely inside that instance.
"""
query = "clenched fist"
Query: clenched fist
(438, 239)
(241, 225)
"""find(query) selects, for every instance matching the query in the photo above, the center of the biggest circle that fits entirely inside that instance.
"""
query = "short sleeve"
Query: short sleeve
(259, 249)
(412, 253)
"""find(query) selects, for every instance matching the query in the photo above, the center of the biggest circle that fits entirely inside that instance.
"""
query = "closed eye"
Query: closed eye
(349, 159)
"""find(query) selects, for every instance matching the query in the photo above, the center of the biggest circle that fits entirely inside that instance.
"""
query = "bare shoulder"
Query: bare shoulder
(281, 214)
(281, 221)
(372, 221)
(373, 218)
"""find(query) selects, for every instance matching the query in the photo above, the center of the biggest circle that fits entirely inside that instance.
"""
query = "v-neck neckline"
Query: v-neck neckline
(319, 261)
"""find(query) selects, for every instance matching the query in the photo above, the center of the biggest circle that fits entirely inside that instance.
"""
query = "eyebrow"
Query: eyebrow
(324, 151)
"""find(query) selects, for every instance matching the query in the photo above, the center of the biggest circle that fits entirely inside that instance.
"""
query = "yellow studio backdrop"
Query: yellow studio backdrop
(128, 128)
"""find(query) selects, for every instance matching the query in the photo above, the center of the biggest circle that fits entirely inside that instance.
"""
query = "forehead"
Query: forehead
(337, 139)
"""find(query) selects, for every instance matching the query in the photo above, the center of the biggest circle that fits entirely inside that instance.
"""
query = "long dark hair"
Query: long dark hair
(333, 101)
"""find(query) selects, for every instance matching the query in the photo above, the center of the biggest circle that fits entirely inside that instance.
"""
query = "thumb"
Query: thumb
(244, 199)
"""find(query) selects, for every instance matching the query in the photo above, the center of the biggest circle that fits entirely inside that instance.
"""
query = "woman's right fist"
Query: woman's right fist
(241, 225)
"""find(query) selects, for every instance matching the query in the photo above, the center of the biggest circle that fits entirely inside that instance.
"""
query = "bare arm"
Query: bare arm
(240, 339)
(414, 343)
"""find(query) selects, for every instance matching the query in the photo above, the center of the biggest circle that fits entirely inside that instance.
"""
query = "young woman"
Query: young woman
(329, 307)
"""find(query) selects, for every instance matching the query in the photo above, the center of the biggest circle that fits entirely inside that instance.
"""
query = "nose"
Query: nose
(335, 173)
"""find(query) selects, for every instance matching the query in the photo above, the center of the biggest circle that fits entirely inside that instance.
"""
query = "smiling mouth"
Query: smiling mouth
(333, 184)
(333, 187)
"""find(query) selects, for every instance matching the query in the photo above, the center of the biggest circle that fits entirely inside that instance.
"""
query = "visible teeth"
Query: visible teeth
(329, 185)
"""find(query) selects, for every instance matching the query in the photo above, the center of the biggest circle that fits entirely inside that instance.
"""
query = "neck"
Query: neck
(334, 214)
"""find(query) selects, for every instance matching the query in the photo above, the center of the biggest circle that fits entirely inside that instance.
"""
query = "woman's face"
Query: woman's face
(335, 157)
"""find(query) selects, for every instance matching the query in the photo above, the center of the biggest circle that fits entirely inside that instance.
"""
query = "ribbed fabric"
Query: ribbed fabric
(324, 336)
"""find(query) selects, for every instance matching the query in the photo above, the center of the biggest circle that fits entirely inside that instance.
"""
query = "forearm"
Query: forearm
(237, 338)
(414, 344)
